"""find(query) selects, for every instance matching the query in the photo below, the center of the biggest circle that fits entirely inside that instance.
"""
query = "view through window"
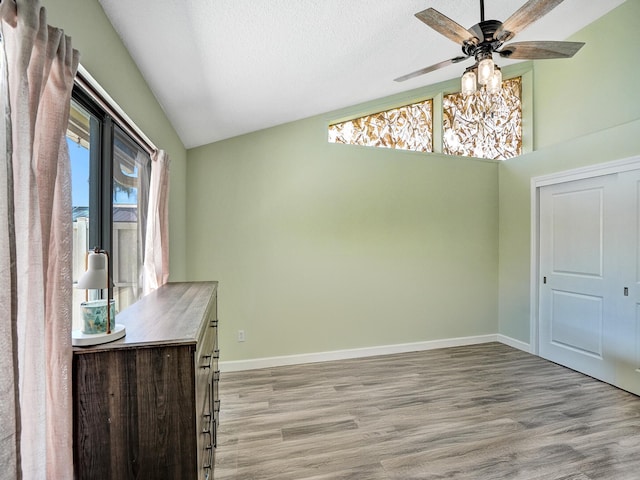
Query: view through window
(110, 179)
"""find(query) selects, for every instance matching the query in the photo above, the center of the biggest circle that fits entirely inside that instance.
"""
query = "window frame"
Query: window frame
(100, 172)
(104, 131)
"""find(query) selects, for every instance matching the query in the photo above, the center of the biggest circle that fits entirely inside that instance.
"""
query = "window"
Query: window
(483, 125)
(479, 125)
(110, 179)
(408, 128)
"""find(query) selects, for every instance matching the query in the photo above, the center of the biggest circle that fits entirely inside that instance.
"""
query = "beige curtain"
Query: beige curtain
(143, 162)
(35, 245)
(156, 252)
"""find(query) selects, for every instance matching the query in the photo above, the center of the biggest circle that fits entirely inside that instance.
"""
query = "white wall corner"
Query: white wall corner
(512, 342)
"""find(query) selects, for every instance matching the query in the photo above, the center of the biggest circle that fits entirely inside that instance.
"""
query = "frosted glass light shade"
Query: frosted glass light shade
(96, 276)
(485, 71)
(468, 83)
(495, 82)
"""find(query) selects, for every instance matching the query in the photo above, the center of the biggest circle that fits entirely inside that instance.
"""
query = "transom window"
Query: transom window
(480, 125)
(407, 128)
(483, 125)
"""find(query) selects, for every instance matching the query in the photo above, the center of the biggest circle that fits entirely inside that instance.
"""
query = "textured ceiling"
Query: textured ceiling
(221, 68)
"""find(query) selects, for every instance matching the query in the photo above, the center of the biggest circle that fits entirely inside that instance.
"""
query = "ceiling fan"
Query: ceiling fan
(488, 37)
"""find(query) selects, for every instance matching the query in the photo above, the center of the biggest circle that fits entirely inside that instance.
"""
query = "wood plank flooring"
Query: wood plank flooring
(479, 412)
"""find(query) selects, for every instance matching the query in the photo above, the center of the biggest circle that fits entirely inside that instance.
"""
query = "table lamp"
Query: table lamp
(98, 320)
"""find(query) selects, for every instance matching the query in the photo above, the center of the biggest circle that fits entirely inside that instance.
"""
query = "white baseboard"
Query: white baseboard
(512, 342)
(267, 362)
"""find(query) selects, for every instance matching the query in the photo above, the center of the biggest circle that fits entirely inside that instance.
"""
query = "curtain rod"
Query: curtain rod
(85, 81)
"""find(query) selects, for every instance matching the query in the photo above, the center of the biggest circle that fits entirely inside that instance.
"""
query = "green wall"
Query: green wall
(595, 90)
(107, 60)
(586, 111)
(322, 247)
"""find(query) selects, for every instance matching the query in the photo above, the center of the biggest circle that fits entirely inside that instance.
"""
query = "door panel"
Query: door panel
(636, 364)
(577, 232)
(576, 322)
(626, 352)
(589, 303)
(575, 302)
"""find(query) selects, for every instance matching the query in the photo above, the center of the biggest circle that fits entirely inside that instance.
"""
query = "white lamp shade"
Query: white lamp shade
(485, 71)
(468, 83)
(96, 276)
(495, 82)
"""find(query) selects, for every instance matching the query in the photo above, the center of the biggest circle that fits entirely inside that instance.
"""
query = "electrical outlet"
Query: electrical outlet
(241, 335)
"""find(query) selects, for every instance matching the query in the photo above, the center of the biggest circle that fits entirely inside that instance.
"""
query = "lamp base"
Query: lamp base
(79, 339)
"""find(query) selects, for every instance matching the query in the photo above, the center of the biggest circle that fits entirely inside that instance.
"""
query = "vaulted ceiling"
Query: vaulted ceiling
(221, 68)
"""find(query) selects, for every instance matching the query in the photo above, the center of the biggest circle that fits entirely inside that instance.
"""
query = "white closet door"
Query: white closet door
(627, 224)
(589, 277)
(576, 307)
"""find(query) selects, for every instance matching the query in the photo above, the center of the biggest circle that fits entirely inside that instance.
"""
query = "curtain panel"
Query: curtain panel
(39, 66)
(156, 252)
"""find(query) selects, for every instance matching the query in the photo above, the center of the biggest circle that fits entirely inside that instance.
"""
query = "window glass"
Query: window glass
(110, 181)
(408, 128)
(79, 144)
(480, 125)
(130, 198)
(483, 125)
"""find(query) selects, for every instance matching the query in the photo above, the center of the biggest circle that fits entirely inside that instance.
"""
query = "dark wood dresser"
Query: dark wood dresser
(146, 406)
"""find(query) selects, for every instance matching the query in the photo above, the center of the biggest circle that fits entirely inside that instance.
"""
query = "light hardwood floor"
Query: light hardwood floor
(479, 412)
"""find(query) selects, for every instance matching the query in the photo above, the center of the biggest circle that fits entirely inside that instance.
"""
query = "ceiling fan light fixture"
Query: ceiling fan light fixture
(468, 82)
(485, 70)
(495, 81)
(484, 39)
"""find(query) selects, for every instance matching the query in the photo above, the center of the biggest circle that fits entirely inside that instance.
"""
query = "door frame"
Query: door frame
(598, 170)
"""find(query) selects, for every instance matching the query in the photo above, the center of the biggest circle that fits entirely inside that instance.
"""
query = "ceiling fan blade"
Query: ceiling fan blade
(523, 17)
(540, 50)
(437, 66)
(444, 25)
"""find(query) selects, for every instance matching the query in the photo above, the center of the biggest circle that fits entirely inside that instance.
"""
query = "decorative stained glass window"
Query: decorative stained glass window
(484, 125)
(407, 128)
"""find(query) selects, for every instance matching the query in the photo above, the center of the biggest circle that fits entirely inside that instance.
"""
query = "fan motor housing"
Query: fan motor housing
(483, 42)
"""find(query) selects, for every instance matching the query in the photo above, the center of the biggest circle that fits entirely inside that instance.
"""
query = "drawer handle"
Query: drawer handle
(208, 365)
(207, 423)
(216, 376)
(208, 462)
(216, 405)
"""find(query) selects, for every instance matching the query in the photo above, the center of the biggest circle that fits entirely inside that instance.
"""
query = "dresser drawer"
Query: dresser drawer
(207, 375)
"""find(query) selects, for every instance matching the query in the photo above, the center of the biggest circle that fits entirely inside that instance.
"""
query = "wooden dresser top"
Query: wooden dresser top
(170, 315)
